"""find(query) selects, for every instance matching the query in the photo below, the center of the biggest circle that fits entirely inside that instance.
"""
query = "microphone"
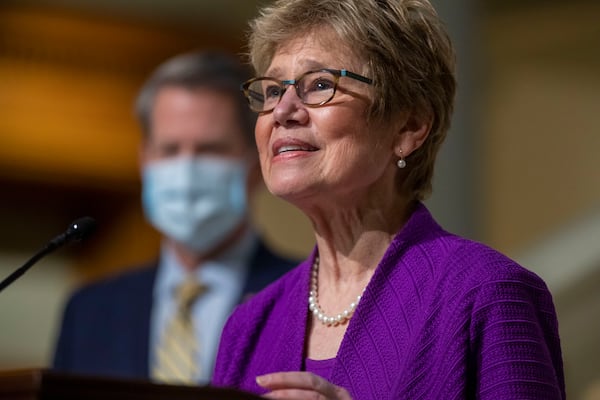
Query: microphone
(77, 231)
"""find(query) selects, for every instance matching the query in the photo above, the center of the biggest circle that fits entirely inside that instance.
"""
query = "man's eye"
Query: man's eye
(168, 150)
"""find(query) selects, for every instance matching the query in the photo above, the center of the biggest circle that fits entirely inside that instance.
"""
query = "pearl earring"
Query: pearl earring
(401, 163)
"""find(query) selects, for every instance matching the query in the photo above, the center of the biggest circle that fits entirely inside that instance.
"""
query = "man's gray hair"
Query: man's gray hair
(202, 69)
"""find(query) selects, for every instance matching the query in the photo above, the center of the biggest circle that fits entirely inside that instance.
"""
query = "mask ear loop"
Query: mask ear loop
(237, 193)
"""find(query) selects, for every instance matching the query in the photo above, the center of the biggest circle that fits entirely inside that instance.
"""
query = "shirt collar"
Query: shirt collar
(232, 264)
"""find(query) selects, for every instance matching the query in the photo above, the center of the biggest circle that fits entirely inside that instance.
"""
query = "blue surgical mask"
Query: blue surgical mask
(195, 201)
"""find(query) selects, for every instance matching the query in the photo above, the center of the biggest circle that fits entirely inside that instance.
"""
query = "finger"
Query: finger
(294, 394)
(304, 384)
(300, 394)
(296, 380)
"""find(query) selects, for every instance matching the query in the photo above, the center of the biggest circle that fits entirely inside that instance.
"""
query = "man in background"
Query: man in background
(199, 168)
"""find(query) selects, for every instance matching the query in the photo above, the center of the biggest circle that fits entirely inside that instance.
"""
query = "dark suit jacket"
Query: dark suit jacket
(106, 325)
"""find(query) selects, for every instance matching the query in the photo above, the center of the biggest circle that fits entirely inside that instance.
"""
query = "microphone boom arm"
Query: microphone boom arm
(77, 231)
(16, 274)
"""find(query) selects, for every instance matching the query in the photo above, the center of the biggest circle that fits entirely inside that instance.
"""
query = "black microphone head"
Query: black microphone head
(81, 228)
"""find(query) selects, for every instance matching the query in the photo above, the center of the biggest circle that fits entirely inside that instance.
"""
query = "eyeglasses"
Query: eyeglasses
(314, 88)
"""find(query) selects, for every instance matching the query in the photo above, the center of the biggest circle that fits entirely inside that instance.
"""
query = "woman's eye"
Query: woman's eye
(272, 91)
(321, 84)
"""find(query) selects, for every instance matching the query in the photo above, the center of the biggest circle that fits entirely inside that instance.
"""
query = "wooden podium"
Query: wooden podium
(42, 384)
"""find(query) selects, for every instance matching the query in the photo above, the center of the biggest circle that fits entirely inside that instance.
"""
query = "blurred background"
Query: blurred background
(519, 170)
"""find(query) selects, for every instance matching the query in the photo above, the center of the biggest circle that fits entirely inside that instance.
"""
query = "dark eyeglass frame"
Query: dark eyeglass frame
(337, 73)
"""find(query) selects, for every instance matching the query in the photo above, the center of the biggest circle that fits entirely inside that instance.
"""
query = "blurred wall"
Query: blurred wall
(540, 119)
(523, 151)
(540, 180)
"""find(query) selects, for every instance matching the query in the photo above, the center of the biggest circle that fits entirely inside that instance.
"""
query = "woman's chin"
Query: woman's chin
(288, 190)
(283, 191)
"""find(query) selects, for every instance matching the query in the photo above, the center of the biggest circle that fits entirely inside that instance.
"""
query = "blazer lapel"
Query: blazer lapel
(140, 310)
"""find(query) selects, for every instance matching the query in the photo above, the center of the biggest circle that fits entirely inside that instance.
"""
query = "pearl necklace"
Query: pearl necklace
(313, 303)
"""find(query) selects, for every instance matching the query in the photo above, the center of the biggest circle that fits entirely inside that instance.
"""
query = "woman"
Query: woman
(354, 100)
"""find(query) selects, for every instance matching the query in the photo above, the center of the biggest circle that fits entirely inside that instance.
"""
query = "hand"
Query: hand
(300, 385)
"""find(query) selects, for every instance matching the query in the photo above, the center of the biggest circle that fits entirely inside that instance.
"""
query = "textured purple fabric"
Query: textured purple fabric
(442, 318)
(322, 368)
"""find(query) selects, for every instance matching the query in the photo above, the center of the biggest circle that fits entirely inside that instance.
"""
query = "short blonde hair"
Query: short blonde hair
(407, 51)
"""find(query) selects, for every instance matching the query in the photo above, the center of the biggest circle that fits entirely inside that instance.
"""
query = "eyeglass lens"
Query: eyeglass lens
(313, 88)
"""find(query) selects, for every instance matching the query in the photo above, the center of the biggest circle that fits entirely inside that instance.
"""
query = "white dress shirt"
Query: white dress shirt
(224, 277)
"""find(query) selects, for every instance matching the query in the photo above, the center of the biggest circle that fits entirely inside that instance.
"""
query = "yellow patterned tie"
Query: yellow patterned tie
(175, 361)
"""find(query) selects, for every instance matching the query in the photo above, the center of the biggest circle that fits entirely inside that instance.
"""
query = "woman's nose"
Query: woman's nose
(290, 108)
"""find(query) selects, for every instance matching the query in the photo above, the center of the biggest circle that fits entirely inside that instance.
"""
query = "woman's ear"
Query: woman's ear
(412, 134)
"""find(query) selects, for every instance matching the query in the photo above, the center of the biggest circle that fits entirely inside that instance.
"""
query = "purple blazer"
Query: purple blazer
(442, 318)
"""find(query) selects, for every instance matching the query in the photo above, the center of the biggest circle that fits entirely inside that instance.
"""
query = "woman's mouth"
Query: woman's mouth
(281, 147)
